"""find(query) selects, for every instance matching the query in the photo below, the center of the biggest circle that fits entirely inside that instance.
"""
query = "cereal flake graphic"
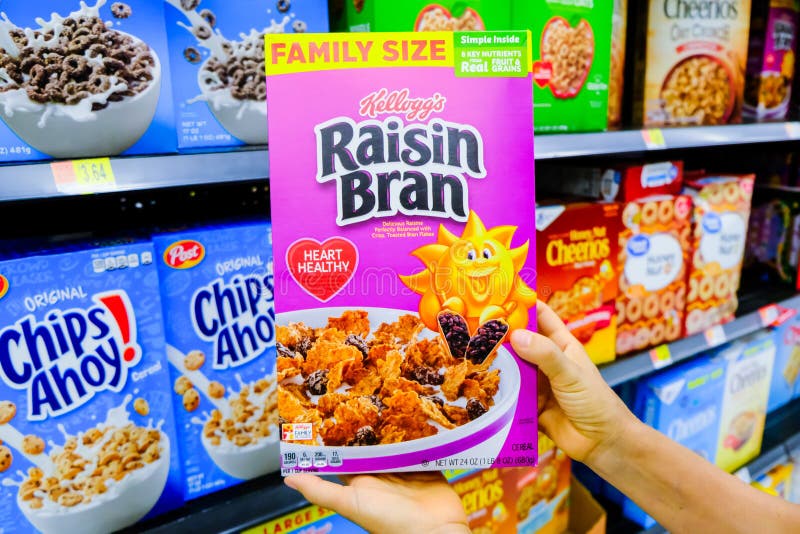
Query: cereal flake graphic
(474, 277)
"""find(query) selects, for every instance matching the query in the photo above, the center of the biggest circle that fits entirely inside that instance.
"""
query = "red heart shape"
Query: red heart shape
(322, 269)
(542, 72)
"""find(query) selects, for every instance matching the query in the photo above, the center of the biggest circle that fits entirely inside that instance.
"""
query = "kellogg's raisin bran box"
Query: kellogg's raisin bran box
(403, 216)
(217, 289)
(578, 277)
(86, 419)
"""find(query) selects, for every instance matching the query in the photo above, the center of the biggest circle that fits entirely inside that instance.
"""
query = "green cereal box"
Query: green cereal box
(572, 62)
(421, 15)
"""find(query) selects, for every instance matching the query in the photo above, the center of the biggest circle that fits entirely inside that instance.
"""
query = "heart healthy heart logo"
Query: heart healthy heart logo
(322, 269)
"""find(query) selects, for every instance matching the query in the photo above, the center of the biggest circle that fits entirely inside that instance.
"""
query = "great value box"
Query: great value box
(217, 56)
(86, 419)
(217, 289)
(84, 79)
(572, 62)
(423, 15)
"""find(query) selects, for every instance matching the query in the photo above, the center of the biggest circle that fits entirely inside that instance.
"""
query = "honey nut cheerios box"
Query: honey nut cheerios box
(217, 290)
(692, 69)
(489, 498)
(577, 249)
(543, 492)
(403, 217)
(654, 252)
(424, 16)
(86, 420)
(719, 234)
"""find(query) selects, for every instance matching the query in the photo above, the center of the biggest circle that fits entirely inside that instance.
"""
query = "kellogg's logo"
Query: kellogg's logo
(638, 245)
(184, 254)
(63, 361)
(3, 286)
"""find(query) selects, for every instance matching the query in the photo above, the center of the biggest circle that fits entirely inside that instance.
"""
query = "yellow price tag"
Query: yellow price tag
(654, 138)
(661, 357)
(84, 176)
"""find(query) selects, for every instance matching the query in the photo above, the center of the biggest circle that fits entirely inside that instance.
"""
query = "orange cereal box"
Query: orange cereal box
(721, 213)
(654, 247)
(577, 271)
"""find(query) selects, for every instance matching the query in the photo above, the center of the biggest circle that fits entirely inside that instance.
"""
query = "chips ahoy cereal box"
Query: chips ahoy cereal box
(217, 56)
(403, 216)
(86, 420)
(217, 289)
(84, 79)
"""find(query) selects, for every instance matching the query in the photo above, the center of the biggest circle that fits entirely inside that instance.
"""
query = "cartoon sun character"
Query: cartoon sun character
(475, 276)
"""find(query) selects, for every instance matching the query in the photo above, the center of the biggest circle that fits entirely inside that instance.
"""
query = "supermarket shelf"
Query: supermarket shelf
(633, 141)
(35, 180)
(636, 366)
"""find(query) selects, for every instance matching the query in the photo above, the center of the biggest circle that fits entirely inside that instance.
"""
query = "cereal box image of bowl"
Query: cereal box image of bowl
(577, 257)
(691, 71)
(654, 251)
(399, 288)
(488, 497)
(217, 290)
(425, 16)
(84, 79)
(771, 59)
(86, 421)
(721, 214)
(217, 57)
(572, 53)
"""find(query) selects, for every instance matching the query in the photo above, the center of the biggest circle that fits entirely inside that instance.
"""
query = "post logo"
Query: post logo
(184, 254)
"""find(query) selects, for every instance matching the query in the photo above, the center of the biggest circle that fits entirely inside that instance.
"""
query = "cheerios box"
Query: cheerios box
(489, 498)
(86, 420)
(719, 234)
(414, 257)
(572, 62)
(543, 492)
(217, 55)
(578, 277)
(424, 15)
(217, 290)
(84, 79)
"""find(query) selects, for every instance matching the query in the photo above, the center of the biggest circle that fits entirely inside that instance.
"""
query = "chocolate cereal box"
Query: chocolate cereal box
(83, 79)
(403, 215)
(425, 16)
(86, 420)
(217, 288)
(719, 234)
(576, 254)
(217, 55)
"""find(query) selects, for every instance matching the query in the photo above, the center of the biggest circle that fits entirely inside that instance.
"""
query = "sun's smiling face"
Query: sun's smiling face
(479, 269)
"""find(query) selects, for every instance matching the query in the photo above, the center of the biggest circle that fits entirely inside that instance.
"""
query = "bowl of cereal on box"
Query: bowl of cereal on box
(393, 393)
(700, 89)
(74, 87)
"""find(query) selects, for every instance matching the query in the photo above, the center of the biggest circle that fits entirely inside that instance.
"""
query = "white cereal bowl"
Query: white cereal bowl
(125, 503)
(249, 461)
(485, 435)
(110, 131)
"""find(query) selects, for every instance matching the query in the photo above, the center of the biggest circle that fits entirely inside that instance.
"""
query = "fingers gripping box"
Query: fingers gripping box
(83, 79)
(86, 422)
(414, 260)
(217, 57)
(217, 288)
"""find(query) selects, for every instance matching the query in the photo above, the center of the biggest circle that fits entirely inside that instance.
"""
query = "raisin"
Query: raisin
(436, 400)
(486, 340)
(376, 400)
(317, 382)
(357, 342)
(303, 346)
(456, 333)
(475, 409)
(427, 376)
(364, 436)
(283, 351)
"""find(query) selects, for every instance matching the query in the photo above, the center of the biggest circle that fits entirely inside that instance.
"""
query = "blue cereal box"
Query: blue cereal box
(86, 421)
(217, 56)
(217, 288)
(787, 364)
(83, 79)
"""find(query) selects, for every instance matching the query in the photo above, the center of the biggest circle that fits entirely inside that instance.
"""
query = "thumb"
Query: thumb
(544, 353)
(323, 493)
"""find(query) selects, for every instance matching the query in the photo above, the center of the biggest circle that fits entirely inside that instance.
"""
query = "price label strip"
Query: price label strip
(84, 176)
(715, 336)
(654, 138)
(661, 357)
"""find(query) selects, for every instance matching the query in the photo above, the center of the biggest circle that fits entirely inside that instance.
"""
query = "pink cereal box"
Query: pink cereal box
(404, 238)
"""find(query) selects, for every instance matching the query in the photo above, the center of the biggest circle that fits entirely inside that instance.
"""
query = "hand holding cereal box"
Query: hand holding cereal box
(403, 215)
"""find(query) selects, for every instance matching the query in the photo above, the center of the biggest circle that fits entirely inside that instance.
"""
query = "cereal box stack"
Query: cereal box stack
(577, 248)
(691, 72)
(543, 492)
(771, 59)
(425, 16)
(84, 79)
(402, 282)
(572, 54)
(86, 420)
(217, 55)
(721, 212)
(217, 287)
(489, 497)
(654, 255)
